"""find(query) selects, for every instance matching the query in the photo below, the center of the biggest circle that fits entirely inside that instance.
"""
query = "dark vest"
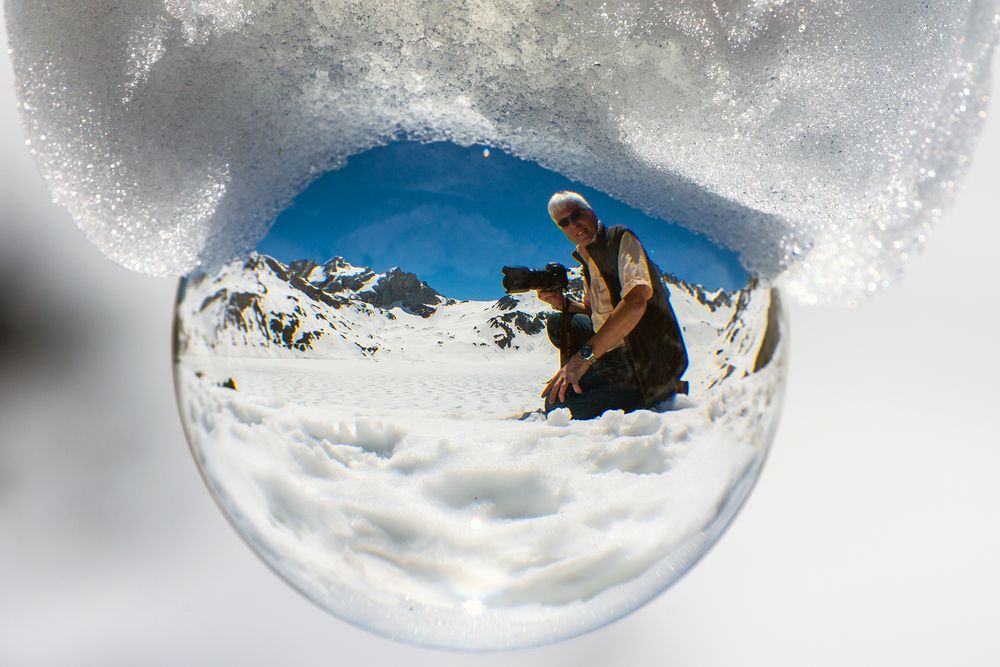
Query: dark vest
(655, 346)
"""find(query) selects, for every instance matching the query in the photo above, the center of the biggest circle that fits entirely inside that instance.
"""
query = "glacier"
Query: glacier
(820, 140)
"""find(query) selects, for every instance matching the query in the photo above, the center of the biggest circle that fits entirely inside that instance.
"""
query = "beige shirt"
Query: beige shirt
(632, 271)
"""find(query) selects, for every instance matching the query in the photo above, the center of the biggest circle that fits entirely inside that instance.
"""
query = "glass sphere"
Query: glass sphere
(363, 400)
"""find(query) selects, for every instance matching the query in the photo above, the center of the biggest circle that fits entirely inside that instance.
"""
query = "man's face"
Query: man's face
(578, 224)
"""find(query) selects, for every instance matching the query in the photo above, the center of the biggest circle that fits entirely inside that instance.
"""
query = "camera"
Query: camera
(522, 279)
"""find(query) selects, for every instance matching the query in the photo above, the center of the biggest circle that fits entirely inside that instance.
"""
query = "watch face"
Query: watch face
(587, 352)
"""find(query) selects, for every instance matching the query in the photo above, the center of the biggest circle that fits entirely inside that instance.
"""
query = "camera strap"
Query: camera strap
(565, 341)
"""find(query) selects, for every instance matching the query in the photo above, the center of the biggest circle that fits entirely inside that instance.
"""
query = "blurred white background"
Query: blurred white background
(872, 537)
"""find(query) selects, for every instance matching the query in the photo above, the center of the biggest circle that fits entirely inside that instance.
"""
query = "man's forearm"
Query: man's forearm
(623, 319)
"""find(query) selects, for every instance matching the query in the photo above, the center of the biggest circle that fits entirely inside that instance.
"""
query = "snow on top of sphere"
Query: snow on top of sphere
(819, 140)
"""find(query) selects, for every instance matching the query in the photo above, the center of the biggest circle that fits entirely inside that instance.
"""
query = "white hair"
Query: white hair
(568, 197)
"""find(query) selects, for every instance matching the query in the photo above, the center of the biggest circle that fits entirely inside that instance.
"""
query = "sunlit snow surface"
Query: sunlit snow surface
(394, 484)
(816, 138)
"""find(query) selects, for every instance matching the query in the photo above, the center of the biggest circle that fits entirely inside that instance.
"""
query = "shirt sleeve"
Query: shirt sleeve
(632, 267)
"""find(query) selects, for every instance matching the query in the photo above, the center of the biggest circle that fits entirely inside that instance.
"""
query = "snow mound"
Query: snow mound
(819, 140)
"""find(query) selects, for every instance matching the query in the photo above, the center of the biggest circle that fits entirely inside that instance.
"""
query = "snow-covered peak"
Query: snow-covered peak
(261, 307)
(318, 274)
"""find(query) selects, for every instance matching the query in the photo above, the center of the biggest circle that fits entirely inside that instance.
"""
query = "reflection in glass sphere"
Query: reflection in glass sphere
(379, 442)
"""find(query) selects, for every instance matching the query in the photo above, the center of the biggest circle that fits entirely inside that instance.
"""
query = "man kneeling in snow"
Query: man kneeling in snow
(625, 349)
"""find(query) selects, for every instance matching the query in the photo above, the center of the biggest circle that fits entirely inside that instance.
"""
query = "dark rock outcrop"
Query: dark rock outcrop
(512, 322)
(396, 288)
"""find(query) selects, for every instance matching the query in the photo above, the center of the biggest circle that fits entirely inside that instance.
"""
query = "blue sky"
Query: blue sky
(454, 216)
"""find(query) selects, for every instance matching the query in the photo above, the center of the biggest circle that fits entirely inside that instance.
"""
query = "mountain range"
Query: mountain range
(261, 307)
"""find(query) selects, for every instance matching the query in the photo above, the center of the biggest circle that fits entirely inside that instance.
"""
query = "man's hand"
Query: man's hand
(552, 297)
(568, 375)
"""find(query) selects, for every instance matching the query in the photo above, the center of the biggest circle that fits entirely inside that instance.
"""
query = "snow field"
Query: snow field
(404, 498)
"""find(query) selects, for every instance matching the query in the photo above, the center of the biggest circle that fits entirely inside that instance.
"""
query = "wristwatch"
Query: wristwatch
(587, 353)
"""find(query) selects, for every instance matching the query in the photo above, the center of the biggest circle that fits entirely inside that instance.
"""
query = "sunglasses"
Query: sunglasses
(572, 217)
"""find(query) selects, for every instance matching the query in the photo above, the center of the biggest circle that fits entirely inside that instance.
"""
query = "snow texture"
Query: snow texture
(396, 486)
(818, 139)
